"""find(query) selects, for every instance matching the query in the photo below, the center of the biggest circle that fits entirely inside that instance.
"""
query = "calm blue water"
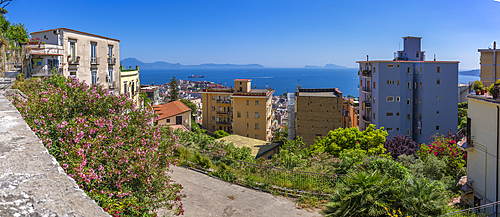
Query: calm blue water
(281, 79)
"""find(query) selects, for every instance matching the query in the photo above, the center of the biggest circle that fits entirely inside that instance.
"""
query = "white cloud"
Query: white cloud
(497, 0)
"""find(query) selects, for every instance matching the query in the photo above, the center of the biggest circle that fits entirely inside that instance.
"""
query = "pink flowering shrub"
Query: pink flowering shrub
(445, 148)
(107, 145)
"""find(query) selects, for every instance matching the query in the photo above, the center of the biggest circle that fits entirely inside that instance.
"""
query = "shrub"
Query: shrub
(477, 85)
(104, 143)
(400, 145)
(220, 134)
(445, 148)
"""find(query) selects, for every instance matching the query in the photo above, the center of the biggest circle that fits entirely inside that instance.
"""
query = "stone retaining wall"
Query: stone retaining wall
(32, 183)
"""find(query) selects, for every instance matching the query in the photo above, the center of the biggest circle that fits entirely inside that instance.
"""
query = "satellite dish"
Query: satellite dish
(56, 32)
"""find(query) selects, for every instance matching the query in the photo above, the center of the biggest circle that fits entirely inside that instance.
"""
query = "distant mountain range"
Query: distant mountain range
(474, 72)
(327, 66)
(166, 65)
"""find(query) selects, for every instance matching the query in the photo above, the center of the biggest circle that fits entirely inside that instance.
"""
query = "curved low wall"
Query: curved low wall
(32, 183)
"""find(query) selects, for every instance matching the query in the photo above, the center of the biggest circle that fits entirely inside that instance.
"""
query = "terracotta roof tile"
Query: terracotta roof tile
(170, 109)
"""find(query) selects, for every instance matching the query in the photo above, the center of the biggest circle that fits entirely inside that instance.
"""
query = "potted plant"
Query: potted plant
(483, 90)
(477, 86)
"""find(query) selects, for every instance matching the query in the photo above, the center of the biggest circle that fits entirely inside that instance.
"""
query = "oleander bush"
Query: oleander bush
(106, 144)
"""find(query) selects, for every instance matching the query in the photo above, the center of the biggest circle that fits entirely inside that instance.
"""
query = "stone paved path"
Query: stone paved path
(207, 196)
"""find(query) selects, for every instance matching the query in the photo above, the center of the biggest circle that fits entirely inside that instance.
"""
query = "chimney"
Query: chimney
(494, 45)
(366, 57)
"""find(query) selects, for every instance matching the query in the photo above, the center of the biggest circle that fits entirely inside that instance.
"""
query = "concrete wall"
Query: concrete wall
(482, 159)
(32, 183)
(316, 116)
(240, 123)
(490, 60)
(210, 108)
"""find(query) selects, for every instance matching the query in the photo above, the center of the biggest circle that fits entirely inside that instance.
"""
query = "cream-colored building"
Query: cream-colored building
(482, 143)
(243, 110)
(89, 57)
(490, 65)
(130, 83)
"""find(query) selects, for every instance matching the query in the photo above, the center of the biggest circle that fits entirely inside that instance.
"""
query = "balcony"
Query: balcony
(41, 72)
(366, 73)
(224, 123)
(366, 118)
(223, 112)
(111, 60)
(366, 89)
(73, 61)
(368, 104)
(94, 60)
(112, 85)
(224, 101)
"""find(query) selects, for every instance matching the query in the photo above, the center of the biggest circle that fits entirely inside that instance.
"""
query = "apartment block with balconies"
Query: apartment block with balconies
(88, 57)
(408, 95)
(242, 110)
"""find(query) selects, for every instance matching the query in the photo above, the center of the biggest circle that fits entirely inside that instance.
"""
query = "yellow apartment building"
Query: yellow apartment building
(317, 112)
(481, 144)
(490, 67)
(130, 83)
(242, 110)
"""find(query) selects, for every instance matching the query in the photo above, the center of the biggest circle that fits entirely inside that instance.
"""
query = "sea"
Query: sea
(283, 80)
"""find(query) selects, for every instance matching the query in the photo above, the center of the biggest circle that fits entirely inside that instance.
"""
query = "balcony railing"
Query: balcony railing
(111, 61)
(224, 122)
(112, 85)
(366, 118)
(366, 89)
(368, 104)
(224, 101)
(94, 60)
(73, 61)
(46, 72)
(366, 73)
(224, 112)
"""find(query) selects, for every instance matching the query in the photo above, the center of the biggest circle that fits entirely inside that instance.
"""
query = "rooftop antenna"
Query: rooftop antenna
(434, 57)
(366, 57)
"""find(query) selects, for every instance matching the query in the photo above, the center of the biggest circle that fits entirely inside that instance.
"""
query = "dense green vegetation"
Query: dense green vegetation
(462, 114)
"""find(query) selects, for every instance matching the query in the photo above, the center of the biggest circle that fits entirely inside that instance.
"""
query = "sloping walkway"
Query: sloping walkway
(207, 196)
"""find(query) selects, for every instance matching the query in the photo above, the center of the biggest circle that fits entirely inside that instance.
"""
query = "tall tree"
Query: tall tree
(192, 106)
(17, 33)
(174, 93)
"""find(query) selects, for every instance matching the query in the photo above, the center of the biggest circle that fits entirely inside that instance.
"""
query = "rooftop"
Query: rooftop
(258, 147)
(319, 92)
(405, 61)
(170, 109)
(76, 31)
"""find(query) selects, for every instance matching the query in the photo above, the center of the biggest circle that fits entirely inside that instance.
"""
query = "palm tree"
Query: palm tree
(421, 198)
(361, 194)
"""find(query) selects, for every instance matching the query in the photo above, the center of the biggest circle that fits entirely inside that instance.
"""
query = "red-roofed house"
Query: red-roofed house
(175, 114)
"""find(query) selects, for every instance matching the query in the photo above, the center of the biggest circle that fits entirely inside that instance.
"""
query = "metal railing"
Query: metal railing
(94, 60)
(224, 122)
(483, 210)
(273, 179)
(366, 89)
(224, 101)
(46, 72)
(111, 61)
(74, 61)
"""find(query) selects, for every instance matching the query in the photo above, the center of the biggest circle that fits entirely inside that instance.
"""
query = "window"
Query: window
(93, 58)
(398, 99)
(248, 102)
(374, 70)
(437, 96)
(389, 129)
(391, 65)
(438, 69)
(416, 54)
(360, 83)
(415, 85)
(420, 116)
(247, 135)
(420, 101)
(110, 75)
(373, 100)
(373, 115)
(420, 69)
(398, 65)
(256, 102)
(397, 114)
(390, 99)
(257, 136)
(247, 115)
(398, 82)
(72, 50)
(256, 115)
(256, 126)
(374, 85)
(110, 51)
(72, 74)
(213, 97)
(407, 132)
(390, 114)
(220, 108)
(409, 85)
(408, 117)
(248, 126)
(390, 82)
(408, 70)
(213, 118)
(168, 120)
(420, 85)
(397, 129)
(437, 112)
(437, 127)
(213, 108)
(238, 114)
(420, 131)
(438, 81)
(94, 78)
(408, 101)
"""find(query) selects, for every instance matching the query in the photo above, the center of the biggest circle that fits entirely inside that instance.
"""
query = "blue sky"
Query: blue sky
(274, 33)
